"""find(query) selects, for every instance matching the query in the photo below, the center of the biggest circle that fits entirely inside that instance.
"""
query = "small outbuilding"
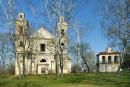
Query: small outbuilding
(108, 61)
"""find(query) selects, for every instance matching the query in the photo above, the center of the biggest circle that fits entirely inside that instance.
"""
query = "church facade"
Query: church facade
(108, 61)
(37, 49)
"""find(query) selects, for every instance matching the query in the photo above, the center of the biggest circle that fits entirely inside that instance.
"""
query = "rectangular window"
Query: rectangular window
(42, 47)
(20, 29)
(109, 59)
(103, 59)
(115, 59)
(43, 70)
(21, 44)
(62, 32)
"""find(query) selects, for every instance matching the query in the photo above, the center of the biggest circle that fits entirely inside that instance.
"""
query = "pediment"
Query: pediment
(42, 32)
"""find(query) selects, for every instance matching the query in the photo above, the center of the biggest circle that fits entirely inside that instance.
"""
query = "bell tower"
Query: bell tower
(62, 41)
(21, 24)
(62, 31)
(21, 42)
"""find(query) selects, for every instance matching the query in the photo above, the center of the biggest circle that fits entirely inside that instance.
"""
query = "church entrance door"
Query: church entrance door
(43, 70)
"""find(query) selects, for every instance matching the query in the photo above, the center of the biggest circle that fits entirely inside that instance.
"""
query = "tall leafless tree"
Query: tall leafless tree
(8, 8)
(87, 56)
(116, 21)
(4, 49)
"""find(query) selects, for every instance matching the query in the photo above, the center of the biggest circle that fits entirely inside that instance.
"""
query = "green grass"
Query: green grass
(70, 80)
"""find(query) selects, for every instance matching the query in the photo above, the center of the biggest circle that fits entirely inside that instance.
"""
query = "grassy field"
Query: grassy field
(71, 80)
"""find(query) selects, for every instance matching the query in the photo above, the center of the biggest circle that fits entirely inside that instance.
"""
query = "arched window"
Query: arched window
(103, 59)
(109, 59)
(42, 47)
(115, 59)
(62, 44)
(21, 16)
(62, 32)
(42, 60)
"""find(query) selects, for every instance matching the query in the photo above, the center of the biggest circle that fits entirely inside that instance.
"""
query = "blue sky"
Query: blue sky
(88, 13)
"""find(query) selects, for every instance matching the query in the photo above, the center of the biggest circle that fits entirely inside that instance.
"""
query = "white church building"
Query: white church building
(39, 48)
(108, 61)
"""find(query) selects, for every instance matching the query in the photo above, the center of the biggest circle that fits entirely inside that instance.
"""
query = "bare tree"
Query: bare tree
(116, 23)
(8, 8)
(86, 57)
(74, 50)
(84, 53)
(4, 48)
(7, 18)
(24, 45)
(76, 45)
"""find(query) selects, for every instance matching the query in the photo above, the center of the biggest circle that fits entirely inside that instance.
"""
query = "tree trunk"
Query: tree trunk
(87, 66)
(30, 68)
(3, 62)
(61, 64)
(23, 65)
(78, 57)
(24, 55)
(57, 66)
(19, 68)
(121, 60)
